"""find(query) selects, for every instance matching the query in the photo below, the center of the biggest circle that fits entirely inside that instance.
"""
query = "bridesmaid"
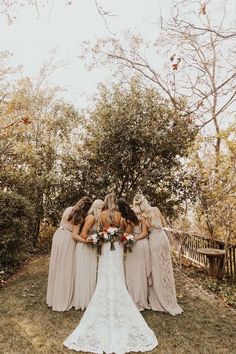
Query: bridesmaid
(85, 259)
(61, 269)
(137, 263)
(162, 294)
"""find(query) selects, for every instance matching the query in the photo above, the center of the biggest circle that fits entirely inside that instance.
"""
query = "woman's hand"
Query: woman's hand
(75, 231)
(83, 240)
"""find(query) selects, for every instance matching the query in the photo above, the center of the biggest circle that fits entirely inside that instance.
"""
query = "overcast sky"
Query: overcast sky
(31, 38)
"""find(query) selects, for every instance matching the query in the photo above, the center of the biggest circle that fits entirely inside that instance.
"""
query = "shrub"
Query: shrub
(16, 216)
(45, 238)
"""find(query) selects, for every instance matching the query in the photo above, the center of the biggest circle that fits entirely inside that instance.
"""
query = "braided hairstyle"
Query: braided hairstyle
(143, 209)
(79, 211)
(96, 208)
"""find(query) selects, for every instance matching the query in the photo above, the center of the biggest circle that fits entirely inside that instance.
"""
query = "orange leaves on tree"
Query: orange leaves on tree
(26, 120)
(176, 64)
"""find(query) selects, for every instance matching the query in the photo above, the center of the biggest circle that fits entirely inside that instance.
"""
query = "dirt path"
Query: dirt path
(207, 326)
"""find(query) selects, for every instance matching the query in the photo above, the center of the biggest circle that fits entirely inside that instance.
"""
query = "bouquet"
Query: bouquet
(112, 235)
(129, 241)
(95, 240)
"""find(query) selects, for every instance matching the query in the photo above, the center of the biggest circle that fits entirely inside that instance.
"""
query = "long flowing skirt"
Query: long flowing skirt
(61, 271)
(162, 294)
(111, 322)
(85, 275)
(137, 273)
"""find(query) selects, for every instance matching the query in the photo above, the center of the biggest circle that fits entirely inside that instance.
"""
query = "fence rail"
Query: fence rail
(186, 244)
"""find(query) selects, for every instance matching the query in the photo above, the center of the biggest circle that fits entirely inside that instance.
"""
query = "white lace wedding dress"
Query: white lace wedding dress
(111, 323)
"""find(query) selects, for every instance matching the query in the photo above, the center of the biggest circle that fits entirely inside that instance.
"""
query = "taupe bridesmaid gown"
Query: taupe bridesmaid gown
(85, 261)
(162, 294)
(61, 268)
(138, 271)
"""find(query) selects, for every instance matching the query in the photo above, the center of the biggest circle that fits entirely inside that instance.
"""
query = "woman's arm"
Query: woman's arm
(128, 227)
(75, 234)
(89, 223)
(144, 232)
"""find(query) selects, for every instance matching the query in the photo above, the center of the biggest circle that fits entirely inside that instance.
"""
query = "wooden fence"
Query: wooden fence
(186, 244)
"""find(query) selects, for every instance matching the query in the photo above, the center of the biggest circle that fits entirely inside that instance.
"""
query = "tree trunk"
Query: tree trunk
(36, 231)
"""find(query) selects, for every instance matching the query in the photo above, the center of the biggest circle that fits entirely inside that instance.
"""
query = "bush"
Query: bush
(16, 217)
(45, 238)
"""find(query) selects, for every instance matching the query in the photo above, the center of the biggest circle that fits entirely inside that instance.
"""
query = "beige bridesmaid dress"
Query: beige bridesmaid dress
(138, 271)
(162, 294)
(85, 261)
(61, 268)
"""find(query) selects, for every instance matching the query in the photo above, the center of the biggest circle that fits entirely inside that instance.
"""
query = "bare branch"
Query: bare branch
(104, 14)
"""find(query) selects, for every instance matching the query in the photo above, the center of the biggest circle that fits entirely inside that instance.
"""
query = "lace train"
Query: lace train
(162, 295)
(112, 323)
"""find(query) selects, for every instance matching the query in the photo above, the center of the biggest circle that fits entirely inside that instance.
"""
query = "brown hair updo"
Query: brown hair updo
(80, 210)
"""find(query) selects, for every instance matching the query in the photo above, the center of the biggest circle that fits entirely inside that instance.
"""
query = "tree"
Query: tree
(133, 142)
(31, 165)
(216, 188)
(199, 62)
(198, 48)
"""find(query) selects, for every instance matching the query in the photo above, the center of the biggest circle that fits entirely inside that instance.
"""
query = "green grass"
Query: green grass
(28, 326)
(224, 289)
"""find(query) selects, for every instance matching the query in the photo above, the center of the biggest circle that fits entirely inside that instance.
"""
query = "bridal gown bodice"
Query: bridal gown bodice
(111, 323)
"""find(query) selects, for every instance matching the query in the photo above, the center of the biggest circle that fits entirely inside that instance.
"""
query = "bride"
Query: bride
(111, 322)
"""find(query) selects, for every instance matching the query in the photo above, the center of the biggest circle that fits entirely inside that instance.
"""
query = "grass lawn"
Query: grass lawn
(207, 325)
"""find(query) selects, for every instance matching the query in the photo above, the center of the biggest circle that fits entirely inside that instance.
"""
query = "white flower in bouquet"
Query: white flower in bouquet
(105, 236)
(112, 230)
(95, 241)
(130, 238)
(129, 241)
(93, 238)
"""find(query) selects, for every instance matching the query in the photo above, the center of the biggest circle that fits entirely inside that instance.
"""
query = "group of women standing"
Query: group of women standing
(148, 268)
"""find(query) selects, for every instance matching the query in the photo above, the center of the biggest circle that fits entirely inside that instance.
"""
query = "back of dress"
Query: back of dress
(156, 223)
(162, 294)
(61, 269)
(65, 224)
(111, 322)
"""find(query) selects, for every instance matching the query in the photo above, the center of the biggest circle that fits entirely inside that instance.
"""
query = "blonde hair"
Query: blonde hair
(111, 204)
(143, 209)
(96, 208)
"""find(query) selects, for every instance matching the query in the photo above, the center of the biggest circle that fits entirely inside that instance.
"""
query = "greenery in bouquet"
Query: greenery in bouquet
(95, 240)
(112, 235)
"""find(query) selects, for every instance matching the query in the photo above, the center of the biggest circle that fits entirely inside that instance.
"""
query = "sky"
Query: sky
(61, 29)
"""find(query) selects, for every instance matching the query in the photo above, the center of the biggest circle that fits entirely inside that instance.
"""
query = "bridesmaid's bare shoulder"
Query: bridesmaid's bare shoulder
(90, 218)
